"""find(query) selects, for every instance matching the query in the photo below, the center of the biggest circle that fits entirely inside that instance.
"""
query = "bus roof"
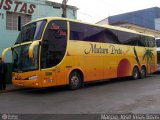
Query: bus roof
(104, 26)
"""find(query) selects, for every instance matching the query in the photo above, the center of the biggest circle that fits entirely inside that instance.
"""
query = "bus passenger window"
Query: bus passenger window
(76, 35)
(152, 42)
(84, 32)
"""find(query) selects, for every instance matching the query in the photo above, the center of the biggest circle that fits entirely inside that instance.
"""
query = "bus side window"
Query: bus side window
(74, 35)
(127, 38)
(84, 32)
(110, 37)
(143, 41)
(133, 43)
(152, 42)
(158, 42)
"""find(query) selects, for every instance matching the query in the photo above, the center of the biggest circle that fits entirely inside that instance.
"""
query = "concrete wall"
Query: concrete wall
(157, 24)
(35, 8)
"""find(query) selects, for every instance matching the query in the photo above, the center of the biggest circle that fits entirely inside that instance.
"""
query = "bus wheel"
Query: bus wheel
(135, 73)
(143, 72)
(75, 80)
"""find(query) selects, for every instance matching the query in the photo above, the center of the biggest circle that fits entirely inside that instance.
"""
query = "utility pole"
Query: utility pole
(64, 8)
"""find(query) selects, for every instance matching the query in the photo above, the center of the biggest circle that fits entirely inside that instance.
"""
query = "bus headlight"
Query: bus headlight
(33, 77)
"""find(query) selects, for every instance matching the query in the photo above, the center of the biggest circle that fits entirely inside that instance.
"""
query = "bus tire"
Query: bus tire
(143, 72)
(135, 73)
(75, 80)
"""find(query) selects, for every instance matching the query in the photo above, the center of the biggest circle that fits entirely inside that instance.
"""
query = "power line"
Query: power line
(87, 14)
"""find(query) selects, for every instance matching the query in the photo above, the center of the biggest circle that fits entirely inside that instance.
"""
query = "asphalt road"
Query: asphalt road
(116, 96)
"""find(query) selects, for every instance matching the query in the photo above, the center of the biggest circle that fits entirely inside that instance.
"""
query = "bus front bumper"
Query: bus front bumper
(26, 83)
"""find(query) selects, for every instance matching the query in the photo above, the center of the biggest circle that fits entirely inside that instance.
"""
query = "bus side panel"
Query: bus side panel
(91, 64)
(48, 77)
(102, 61)
(58, 75)
(110, 66)
(146, 57)
(150, 59)
(63, 70)
(122, 60)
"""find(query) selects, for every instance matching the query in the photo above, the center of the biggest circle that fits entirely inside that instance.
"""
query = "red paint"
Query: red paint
(7, 5)
(24, 8)
(124, 68)
(32, 7)
(17, 6)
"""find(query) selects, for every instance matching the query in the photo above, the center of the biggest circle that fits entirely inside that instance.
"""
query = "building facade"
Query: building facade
(149, 18)
(144, 21)
(15, 13)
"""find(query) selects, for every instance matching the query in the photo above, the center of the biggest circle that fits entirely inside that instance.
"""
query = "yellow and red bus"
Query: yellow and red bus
(58, 51)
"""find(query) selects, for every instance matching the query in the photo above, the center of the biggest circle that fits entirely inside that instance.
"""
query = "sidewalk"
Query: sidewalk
(11, 88)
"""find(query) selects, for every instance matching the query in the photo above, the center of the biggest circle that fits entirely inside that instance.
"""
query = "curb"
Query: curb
(12, 90)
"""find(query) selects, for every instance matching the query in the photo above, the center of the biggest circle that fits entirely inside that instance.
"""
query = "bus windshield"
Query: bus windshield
(21, 60)
(31, 32)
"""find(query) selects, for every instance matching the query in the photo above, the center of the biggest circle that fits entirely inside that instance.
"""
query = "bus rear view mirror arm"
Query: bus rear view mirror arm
(4, 52)
(31, 48)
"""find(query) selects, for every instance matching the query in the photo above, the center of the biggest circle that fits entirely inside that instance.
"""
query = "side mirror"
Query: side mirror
(4, 52)
(31, 49)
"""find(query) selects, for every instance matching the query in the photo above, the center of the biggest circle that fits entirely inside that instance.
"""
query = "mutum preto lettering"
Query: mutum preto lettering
(94, 49)
(115, 50)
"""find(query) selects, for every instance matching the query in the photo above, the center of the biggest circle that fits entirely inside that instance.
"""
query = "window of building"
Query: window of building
(14, 21)
(19, 23)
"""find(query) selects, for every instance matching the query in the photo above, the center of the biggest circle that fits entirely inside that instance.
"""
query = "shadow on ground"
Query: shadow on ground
(64, 89)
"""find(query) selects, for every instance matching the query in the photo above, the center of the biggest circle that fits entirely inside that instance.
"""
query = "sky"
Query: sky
(93, 11)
